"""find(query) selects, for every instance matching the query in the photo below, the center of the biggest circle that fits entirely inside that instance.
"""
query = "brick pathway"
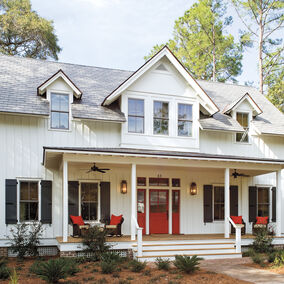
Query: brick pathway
(236, 269)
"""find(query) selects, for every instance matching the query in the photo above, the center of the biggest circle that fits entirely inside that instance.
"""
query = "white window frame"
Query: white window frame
(177, 107)
(169, 116)
(19, 201)
(248, 128)
(99, 201)
(48, 96)
(137, 99)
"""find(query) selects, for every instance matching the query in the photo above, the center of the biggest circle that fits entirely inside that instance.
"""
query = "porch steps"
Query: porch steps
(209, 249)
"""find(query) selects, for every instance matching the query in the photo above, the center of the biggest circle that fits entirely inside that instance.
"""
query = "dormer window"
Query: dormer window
(59, 117)
(161, 118)
(243, 120)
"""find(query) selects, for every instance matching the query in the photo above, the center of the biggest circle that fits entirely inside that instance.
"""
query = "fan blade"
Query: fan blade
(243, 175)
(101, 171)
(104, 169)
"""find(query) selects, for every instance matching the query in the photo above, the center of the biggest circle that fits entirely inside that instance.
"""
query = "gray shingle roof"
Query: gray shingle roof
(20, 77)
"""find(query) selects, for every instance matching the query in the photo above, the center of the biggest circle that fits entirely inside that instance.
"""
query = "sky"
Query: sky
(119, 33)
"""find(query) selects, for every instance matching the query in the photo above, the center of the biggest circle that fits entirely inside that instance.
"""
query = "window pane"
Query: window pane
(85, 192)
(55, 102)
(64, 102)
(85, 210)
(184, 111)
(93, 211)
(33, 210)
(242, 119)
(185, 128)
(263, 195)
(141, 181)
(175, 182)
(24, 190)
(33, 191)
(64, 121)
(94, 192)
(219, 212)
(263, 210)
(24, 211)
(161, 109)
(161, 126)
(135, 107)
(55, 120)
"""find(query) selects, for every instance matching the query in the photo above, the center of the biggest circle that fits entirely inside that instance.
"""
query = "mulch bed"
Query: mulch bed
(269, 267)
(90, 272)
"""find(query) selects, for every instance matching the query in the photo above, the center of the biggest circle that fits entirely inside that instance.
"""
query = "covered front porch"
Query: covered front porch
(149, 174)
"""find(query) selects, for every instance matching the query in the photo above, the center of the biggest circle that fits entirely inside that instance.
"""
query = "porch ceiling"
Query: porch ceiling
(53, 157)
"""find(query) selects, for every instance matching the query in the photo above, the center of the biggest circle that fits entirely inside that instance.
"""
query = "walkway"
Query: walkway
(236, 269)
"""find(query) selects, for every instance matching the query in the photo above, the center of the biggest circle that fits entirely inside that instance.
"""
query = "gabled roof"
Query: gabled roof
(59, 74)
(205, 100)
(246, 97)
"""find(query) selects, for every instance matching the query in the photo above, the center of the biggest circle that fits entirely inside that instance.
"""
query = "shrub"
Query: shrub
(279, 258)
(4, 272)
(108, 267)
(258, 259)
(271, 256)
(163, 264)
(262, 242)
(54, 269)
(186, 263)
(137, 266)
(95, 241)
(14, 277)
(111, 256)
(25, 239)
(250, 252)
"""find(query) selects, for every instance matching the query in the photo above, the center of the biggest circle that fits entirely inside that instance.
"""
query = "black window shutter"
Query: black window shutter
(46, 201)
(73, 199)
(252, 203)
(273, 204)
(234, 200)
(11, 201)
(105, 200)
(207, 204)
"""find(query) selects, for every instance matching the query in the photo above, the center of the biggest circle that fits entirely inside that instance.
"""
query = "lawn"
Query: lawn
(91, 272)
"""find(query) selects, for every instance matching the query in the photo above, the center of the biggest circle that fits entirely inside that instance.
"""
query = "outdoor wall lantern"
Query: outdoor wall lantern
(193, 188)
(123, 187)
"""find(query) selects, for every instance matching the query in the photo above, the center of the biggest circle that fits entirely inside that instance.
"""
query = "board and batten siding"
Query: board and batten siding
(22, 139)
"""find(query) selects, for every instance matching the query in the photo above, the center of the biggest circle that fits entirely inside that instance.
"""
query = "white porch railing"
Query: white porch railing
(238, 228)
(139, 237)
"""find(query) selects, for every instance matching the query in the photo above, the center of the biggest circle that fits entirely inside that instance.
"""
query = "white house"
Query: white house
(192, 154)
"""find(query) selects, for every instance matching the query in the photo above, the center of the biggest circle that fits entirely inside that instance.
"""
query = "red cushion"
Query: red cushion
(78, 220)
(262, 220)
(115, 220)
(237, 219)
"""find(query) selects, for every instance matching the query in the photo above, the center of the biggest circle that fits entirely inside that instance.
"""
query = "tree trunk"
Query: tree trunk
(260, 51)
(214, 54)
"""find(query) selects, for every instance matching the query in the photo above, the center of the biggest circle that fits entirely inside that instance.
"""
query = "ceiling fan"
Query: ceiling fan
(94, 168)
(235, 174)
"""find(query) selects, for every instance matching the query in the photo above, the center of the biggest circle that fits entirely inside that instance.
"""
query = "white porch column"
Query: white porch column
(133, 201)
(227, 203)
(65, 202)
(278, 202)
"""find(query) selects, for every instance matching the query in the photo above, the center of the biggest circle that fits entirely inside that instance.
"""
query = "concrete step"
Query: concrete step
(204, 256)
(198, 251)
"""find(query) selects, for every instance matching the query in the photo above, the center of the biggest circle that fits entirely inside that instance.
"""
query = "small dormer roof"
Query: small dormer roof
(206, 102)
(59, 74)
(246, 97)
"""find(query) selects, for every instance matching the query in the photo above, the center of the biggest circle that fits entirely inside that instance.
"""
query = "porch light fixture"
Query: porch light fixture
(193, 188)
(123, 187)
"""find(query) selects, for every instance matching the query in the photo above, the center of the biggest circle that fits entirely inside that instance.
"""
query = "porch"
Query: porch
(178, 172)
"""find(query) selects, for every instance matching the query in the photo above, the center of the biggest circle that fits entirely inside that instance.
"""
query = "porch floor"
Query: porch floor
(161, 237)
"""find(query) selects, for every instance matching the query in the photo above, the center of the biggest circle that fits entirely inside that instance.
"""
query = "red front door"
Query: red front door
(159, 217)
(175, 211)
(141, 209)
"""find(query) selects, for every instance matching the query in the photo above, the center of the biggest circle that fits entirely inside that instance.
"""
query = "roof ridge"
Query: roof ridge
(60, 62)
(226, 83)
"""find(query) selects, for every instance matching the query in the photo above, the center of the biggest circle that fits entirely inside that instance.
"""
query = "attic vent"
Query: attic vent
(161, 67)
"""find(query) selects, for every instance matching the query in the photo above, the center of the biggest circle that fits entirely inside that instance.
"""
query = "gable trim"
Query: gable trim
(59, 74)
(252, 102)
(209, 105)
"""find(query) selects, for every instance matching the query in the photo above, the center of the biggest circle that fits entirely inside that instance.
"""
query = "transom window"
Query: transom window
(263, 201)
(135, 116)
(184, 120)
(243, 120)
(218, 203)
(28, 200)
(89, 201)
(59, 111)
(161, 118)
